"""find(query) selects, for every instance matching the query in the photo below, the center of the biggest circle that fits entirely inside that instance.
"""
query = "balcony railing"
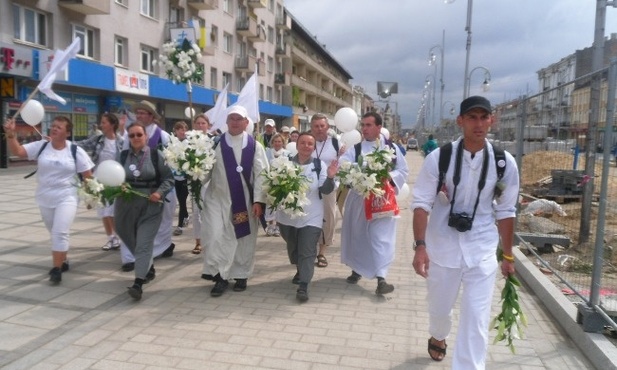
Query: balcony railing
(283, 22)
(245, 63)
(203, 4)
(247, 26)
(87, 7)
(258, 3)
(281, 79)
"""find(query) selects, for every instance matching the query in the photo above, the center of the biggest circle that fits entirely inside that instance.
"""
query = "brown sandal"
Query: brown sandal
(322, 261)
(197, 249)
(441, 352)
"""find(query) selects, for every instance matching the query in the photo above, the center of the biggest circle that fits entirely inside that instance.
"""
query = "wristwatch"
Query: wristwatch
(418, 243)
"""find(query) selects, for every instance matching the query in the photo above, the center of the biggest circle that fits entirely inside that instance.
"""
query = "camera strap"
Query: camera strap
(456, 179)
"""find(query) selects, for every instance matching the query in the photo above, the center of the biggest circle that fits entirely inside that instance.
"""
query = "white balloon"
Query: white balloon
(346, 119)
(403, 193)
(110, 173)
(291, 148)
(189, 112)
(250, 127)
(351, 138)
(385, 133)
(33, 112)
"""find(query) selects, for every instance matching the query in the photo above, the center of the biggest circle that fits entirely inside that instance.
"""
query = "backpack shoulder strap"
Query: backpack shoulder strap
(317, 166)
(500, 161)
(335, 144)
(154, 157)
(37, 157)
(123, 155)
(358, 149)
(74, 154)
(445, 152)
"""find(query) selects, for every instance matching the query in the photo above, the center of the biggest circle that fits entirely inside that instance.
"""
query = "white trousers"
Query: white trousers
(58, 221)
(475, 309)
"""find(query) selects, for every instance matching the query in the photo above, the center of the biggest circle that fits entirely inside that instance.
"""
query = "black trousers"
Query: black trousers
(182, 193)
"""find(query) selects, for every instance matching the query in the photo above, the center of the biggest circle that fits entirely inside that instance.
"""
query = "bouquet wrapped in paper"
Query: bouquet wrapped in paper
(286, 187)
(369, 175)
(194, 157)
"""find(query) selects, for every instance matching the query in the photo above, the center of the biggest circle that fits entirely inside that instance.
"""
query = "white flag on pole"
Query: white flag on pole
(60, 62)
(217, 114)
(249, 98)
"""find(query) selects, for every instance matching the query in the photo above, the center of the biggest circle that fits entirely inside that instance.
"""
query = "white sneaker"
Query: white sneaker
(178, 231)
(277, 231)
(115, 243)
(107, 246)
(269, 230)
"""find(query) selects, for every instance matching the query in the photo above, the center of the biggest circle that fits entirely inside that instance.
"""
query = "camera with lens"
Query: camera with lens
(460, 221)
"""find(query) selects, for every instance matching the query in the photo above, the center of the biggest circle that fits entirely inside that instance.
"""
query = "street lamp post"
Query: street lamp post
(468, 45)
(430, 87)
(432, 61)
(485, 85)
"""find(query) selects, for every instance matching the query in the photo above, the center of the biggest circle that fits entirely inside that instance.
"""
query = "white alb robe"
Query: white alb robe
(368, 246)
(223, 253)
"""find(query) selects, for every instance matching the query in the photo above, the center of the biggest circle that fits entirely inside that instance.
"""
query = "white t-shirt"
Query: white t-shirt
(314, 211)
(57, 172)
(108, 151)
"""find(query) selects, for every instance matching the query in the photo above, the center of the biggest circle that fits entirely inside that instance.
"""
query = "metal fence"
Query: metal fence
(568, 216)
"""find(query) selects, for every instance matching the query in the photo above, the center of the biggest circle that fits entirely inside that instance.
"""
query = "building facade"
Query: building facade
(120, 41)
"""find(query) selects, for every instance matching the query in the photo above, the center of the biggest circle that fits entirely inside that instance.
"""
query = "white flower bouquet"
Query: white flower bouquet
(94, 194)
(180, 61)
(370, 173)
(286, 187)
(194, 157)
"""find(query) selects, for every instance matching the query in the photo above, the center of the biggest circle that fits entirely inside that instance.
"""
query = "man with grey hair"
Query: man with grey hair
(327, 150)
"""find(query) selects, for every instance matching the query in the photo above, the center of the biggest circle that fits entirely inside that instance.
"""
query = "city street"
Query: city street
(89, 322)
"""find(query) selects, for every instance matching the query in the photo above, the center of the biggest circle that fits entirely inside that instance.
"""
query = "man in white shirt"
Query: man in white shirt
(327, 150)
(457, 245)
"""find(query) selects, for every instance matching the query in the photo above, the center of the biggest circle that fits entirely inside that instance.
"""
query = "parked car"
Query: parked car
(412, 144)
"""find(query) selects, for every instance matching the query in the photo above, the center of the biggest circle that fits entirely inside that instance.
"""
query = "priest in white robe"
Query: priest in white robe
(232, 206)
(368, 246)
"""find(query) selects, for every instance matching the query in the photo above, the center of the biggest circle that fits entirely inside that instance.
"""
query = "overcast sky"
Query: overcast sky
(389, 40)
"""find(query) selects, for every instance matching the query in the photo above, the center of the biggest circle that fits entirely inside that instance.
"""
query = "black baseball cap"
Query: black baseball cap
(475, 102)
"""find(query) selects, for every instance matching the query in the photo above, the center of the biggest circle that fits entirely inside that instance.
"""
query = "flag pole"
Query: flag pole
(189, 91)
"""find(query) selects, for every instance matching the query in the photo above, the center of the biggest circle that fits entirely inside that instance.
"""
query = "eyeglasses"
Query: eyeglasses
(132, 136)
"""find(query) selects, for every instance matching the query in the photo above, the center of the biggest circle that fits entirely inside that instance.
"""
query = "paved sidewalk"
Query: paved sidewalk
(89, 322)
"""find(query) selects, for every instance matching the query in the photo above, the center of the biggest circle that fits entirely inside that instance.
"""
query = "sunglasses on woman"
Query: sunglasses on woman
(132, 136)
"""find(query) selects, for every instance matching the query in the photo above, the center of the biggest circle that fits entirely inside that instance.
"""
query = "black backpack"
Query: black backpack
(445, 152)
(73, 153)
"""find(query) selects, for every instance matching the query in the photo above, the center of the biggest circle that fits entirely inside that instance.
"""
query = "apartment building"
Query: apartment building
(317, 82)
(121, 39)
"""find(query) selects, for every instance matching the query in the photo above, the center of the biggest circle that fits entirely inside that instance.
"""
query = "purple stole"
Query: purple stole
(240, 214)
(153, 142)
